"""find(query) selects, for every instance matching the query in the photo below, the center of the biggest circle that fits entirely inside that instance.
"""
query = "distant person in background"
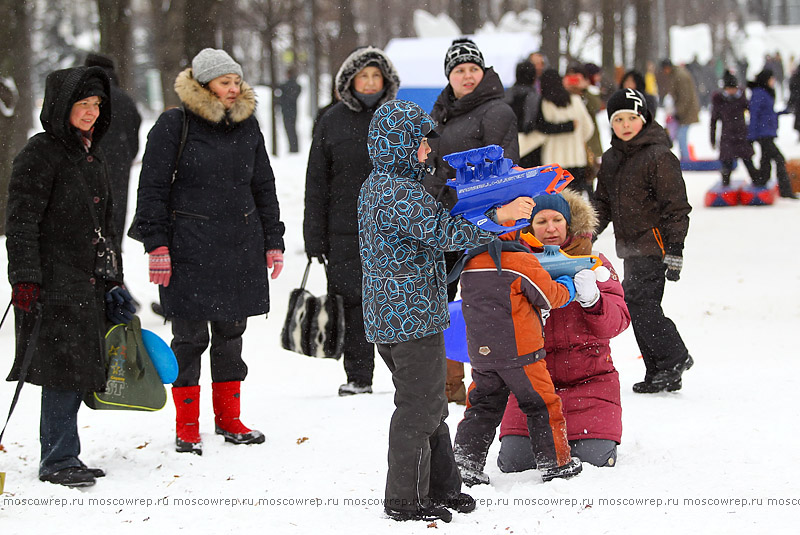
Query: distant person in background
(540, 61)
(794, 97)
(651, 84)
(681, 86)
(120, 144)
(576, 81)
(523, 97)
(338, 164)
(763, 128)
(728, 106)
(635, 80)
(567, 150)
(470, 113)
(289, 92)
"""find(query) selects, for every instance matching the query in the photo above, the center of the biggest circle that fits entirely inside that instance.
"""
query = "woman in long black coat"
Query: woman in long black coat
(211, 233)
(729, 106)
(337, 166)
(51, 262)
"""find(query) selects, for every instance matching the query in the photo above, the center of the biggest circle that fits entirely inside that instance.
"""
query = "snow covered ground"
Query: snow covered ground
(718, 456)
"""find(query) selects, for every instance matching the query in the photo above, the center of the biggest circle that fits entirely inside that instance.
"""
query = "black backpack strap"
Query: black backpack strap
(184, 135)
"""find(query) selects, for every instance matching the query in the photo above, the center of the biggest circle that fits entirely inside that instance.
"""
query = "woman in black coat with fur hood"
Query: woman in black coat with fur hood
(212, 232)
(51, 239)
(337, 166)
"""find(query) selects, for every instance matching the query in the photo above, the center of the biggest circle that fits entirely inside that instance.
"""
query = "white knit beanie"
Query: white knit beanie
(210, 63)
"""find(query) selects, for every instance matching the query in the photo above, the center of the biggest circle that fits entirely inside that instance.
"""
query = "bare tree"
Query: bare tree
(609, 40)
(643, 47)
(115, 36)
(168, 36)
(469, 17)
(15, 90)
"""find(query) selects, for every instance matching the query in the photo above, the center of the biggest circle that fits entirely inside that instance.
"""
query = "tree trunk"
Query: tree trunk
(202, 17)
(168, 28)
(609, 38)
(470, 16)
(551, 31)
(115, 37)
(642, 50)
(347, 39)
(15, 93)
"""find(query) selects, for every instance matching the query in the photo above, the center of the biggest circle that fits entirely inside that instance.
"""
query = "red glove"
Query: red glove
(275, 262)
(160, 266)
(24, 295)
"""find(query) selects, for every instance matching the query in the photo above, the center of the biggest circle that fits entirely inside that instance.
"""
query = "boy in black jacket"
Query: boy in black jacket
(640, 188)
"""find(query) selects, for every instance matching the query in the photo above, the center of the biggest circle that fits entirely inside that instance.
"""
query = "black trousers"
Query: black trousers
(659, 341)
(770, 153)
(190, 339)
(727, 169)
(421, 461)
(359, 355)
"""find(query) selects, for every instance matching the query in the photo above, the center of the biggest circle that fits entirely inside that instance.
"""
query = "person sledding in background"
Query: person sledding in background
(640, 189)
(51, 236)
(505, 292)
(403, 233)
(212, 235)
(577, 350)
(728, 107)
(763, 128)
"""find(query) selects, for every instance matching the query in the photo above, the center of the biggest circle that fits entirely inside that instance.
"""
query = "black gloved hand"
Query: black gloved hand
(674, 265)
(119, 305)
(321, 258)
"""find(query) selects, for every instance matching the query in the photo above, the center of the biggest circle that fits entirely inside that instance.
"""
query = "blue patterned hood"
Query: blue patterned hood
(395, 132)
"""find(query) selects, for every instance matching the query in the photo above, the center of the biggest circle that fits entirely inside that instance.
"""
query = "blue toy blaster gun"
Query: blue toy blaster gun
(486, 180)
(557, 263)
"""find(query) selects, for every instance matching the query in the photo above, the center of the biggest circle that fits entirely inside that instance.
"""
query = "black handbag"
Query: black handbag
(106, 260)
(314, 326)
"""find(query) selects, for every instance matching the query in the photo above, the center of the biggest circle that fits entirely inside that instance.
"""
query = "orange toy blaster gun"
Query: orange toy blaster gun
(486, 180)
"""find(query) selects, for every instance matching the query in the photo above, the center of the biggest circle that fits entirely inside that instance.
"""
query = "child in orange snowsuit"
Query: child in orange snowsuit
(504, 292)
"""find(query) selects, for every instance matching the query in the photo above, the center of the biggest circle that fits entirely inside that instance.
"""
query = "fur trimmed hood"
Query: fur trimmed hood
(355, 62)
(205, 104)
(584, 217)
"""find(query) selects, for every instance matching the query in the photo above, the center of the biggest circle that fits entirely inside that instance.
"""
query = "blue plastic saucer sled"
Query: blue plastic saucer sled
(162, 356)
(455, 336)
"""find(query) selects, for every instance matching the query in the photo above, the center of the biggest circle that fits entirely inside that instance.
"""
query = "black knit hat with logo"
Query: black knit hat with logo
(628, 100)
(462, 51)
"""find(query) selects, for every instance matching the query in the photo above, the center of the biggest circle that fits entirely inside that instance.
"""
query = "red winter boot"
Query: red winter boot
(226, 415)
(187, 414)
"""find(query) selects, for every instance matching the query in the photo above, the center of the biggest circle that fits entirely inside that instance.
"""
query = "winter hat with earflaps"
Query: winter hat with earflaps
(462, 51)
(628, 100)
(211, 63)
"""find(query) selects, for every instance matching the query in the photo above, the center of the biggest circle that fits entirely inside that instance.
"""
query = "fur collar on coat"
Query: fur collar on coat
(583, 225)
(205, 104)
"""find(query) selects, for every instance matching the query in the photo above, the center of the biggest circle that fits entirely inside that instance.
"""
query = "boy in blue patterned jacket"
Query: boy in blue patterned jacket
(403, 233)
